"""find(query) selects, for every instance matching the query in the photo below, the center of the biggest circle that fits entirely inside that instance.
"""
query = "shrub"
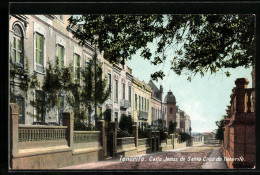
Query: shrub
(163, 134)
(126, 123)
(80, 126)
(184, 136)
(172, 127)
(107, 116)
(142, 134)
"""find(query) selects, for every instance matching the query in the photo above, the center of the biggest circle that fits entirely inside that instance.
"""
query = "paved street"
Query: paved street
(200, 157)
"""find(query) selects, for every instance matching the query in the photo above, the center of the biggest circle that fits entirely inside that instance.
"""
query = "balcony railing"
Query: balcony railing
(142, 115)
(124, 104)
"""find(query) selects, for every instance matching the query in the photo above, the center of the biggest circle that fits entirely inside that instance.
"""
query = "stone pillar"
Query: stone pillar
(173, 137)
(241, 85)
(68, 120)
(135, 133)
(14, 113)
(149, 135)
(101, 128)
(113, 136)
(166, 133)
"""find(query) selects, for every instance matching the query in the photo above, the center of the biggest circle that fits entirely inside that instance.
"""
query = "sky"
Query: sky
(204, 99)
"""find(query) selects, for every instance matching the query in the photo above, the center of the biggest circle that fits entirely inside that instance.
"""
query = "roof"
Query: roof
(170, 98)
(157, 92)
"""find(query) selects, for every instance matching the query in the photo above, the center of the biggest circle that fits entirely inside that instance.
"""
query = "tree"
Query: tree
(95, 91)
(172, 127)
(200, 43)
(220, 130)
(184, 136)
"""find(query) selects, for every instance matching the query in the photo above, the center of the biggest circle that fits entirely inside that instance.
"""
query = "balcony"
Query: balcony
(124, 104)
(142, 115)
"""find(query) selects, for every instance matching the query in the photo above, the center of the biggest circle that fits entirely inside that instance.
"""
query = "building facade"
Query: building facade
(119, 79)
(40, 40)
(142, 103)
(170, 103)
(156, 104)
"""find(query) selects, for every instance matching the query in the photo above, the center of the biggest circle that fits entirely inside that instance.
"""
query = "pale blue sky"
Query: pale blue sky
(204, 99)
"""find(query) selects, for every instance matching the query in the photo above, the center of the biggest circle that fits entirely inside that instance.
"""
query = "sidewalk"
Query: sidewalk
(212, 163)
(113, 161)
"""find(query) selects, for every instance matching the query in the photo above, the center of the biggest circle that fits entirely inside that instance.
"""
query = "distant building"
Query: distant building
(120, 80)
(170, 103)
(142, 103)
(156, 105)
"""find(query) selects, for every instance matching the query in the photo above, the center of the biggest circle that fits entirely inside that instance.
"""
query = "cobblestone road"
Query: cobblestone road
(185, 158)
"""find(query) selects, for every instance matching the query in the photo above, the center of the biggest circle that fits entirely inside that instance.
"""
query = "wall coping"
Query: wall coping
(41, 126)
(122, 138)
(87, 132)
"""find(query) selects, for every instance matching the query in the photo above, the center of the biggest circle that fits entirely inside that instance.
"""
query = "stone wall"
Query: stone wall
(51, 147)
(239, 133)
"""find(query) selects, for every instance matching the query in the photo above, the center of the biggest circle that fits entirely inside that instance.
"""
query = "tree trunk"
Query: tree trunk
(95, 70)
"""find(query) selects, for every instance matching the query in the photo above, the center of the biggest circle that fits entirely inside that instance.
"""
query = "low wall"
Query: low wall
(143, 146)
(41, 147)
(126, 146)
(86, 141)
(198, 143)
(51, 147)
(179, 145)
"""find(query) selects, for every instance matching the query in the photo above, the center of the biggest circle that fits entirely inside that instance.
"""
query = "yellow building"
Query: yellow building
(142, 103)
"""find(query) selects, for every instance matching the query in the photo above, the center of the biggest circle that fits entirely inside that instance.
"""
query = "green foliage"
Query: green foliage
(200, 43)
(163, 133)
(126, 123)
(184, 136)
(25, 81)
(220, 130)
(107, 116)
(94, 88)
(172, 127)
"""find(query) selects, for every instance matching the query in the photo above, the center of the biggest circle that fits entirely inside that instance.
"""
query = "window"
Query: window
(60, 56)
(123, 90)
(139, 103)
(109, 81)
(135, 101)
(40, 107)
(171, 110)
(116, 90)
(152, 113)
(142, 103)
(60, 107)
(39, 49)
(76, 67)
(116, 116)
(20, 101)
(129, 95)
(109, 84)
(145, 104)
(17, 52)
